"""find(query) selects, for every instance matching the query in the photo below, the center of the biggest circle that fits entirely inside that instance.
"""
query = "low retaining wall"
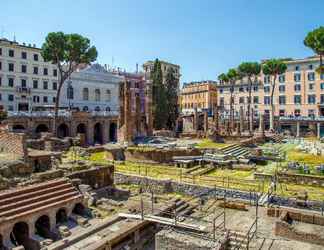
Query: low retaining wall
(157, 155)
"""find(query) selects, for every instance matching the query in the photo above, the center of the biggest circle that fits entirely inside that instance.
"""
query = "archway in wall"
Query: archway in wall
(20, 234)
(82, 130)
(62, 131)
(41, 128)
(18, 128)
(43, 227)
(1, 242)
(61, 216)
(78, 209)
(97, 135)
(113, 132)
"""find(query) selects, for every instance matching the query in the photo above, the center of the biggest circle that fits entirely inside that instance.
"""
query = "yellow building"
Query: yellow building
(201, 95)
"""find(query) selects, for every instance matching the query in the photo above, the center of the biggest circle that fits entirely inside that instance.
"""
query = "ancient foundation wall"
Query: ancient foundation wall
(13, 143)
(157, 155)
(97, 177)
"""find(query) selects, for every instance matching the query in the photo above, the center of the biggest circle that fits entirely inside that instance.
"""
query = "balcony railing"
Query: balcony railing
(23, 90)
(61, 113)
(301, 118)
(105, 113)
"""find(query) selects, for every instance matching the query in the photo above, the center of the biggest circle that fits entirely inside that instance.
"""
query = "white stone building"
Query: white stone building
(92, 89)
(26, 81)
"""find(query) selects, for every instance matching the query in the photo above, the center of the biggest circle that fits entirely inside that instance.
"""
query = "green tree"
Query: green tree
(159, 97)
(250, 70)
(171, 85)
(315, 41)
(273, 68)
(67, 52)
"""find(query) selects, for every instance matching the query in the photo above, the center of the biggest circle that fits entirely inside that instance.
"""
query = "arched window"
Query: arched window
(70, 92)
(107, 108)
(85, 94)
(97, 95)
(108, 95)
(85, 108)
(97, 108)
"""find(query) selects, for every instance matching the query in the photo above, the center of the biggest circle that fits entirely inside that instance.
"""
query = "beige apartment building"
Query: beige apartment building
(149, 66)
(201, 95)
(298, 95)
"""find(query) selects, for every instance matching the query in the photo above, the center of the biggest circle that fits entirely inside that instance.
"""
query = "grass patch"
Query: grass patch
(302, 157)
(231, 173)
(98, 157)
(207, 143)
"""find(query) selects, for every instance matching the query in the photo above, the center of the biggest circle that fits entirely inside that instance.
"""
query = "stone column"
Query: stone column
(261, 123)
(318, 130)
(251, 119)
(241, 129)
(138, 115)
(298, 129)
(216, 118)
(90, 133)
(195, 122)
(205, 121)
(148, 108)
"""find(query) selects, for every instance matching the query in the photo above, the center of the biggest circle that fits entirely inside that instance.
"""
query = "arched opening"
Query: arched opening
(61, 216)
(85, 108)
(20, 234)
(43, 227)
(41, 128)
(18, 128)
(62, 131)
(81, 129)
(97, 133)
(97, 108)
(78, 209)
(113, 132)
(1, 243)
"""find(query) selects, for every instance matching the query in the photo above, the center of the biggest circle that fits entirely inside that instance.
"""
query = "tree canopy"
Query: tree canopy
(274, 67)
(315, 41)
(249, 69)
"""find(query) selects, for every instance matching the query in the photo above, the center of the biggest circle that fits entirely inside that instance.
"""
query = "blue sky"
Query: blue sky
(204, 37)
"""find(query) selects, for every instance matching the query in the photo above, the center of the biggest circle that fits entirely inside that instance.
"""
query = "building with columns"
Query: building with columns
(26, 80)
(298, 97)
(93, 88)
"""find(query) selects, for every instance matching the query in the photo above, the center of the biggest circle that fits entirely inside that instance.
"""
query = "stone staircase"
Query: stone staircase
(237, 240)
(26, 200)
(236, 150)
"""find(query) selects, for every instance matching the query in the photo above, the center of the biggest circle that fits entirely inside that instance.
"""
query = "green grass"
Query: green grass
(232, 173)
(207, 143)
(98, 157)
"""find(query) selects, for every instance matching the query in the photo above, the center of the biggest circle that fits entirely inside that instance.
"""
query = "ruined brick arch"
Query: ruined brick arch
(113, 132)
(19, 233)
(98, 133)
(61, 215)
(81, 128)
(78, 209)
(41, 128)
(1, 242)
(63, 130)
(43, 226)
(18, 127)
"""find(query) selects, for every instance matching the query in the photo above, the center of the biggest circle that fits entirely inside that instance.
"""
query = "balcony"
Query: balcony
(23, 90)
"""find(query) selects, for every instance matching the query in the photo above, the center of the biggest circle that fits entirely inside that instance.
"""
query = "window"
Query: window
(311, 113)
(0, 65)
(267, 100)
(10, 82)
(311, 86)
(282, 88)
(97, 108)
(267, 79)
(45, 85)
(85, 108)
(70, 93)
(281, 112)
(322, 85)
(10, 98)
(23, 68)
(255, 88)
(35, 84)
(311, 76)
(85, 94)
(35, 71)
(54, 72)
(282, 78)
(0, 51)
(36, 98)
(0, 81)
(255, 99)
(54, 85)
(222, 102)
(241, 100)
(11, 67)
(297, 77)
(297, 68)
(322, 99)
(297, 112)
(322, 76)
(310, 66)
(266, 89)
(45, 99)
(45, 71)
(282, 100)
(23, 83)
(297, 99)
(54, 99)
(311, 99)
(24, 55)
(241, 89)
(35, 57)
(97, 95)
(297, 87)
(221, 91)
(107, 108)
(11, 53)
(108, 94)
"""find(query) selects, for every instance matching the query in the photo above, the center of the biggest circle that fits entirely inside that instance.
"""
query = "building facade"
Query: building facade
(201, 95)
(92, 89)
(149, 66)
(26, 80)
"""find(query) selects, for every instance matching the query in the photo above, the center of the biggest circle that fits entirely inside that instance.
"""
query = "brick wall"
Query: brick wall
(13, 143)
